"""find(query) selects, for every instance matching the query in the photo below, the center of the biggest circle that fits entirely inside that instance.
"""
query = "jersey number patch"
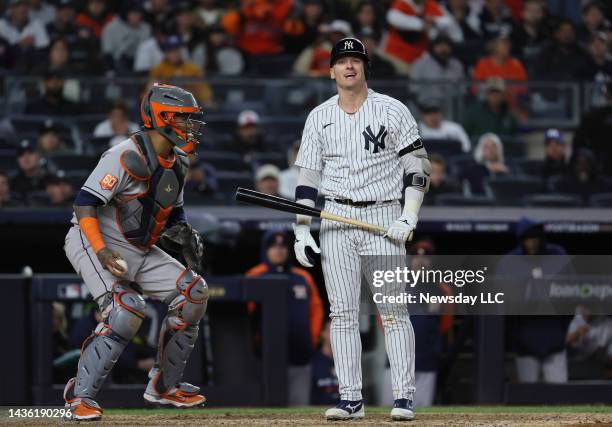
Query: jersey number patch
(378, 141)
(108, 182)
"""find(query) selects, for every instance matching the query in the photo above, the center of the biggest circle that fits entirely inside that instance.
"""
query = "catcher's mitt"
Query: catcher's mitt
(184, 239)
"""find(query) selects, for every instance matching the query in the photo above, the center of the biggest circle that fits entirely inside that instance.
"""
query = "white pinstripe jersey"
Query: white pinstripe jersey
(358, 153)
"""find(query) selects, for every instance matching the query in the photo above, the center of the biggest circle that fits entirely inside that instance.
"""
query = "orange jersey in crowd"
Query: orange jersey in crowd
(84, 20)
(258, 25)
(410, 45)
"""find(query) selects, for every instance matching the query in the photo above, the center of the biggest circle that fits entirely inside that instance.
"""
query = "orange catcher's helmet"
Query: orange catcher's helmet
(175, 113)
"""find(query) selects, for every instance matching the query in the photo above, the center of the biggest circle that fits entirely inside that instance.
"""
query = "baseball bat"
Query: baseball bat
(253, 197)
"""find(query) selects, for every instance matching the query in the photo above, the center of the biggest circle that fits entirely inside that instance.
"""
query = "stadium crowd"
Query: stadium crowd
(436, 46)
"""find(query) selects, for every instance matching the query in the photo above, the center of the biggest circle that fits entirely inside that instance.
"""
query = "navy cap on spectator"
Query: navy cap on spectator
(172, 42)
(63, 4)
(553, 134)
(25, 146)
(56, 178)
(48, 126)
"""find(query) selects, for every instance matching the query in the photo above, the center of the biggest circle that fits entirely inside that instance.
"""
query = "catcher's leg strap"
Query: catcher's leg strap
(179, 330)
(122, 313)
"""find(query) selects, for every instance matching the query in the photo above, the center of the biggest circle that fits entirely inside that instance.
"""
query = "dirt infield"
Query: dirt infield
(313, 417)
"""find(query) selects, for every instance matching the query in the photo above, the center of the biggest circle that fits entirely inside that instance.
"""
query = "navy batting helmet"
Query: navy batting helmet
(350, 46)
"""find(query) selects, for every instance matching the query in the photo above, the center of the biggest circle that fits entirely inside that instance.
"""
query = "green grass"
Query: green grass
(261, 412)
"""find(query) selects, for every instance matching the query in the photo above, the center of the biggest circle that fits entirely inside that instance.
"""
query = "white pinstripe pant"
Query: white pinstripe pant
(345, 251)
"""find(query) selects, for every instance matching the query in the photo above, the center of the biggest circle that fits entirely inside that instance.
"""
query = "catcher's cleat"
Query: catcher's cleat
(82, 408)
(184, 395)
(403, 410)
(346, 410)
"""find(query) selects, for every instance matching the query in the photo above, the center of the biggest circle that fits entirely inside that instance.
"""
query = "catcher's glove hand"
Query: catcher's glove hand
(184, 239)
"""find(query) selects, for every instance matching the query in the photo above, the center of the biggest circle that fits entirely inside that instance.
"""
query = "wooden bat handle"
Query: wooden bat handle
(357, 223)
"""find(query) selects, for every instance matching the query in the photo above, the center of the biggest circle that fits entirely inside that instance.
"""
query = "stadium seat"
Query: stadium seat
(225, 161)
(552, 200)
(530, 167)
(275, 158)
(454, 199)
(443, 147)
(510, 190)
(73, 162)
(8, 161)
(601, 200)
(229, 181)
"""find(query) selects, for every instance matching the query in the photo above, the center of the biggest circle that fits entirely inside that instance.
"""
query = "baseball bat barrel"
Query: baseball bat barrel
(281, 204)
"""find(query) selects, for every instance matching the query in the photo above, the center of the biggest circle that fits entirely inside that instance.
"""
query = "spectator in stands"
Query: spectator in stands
(530, 33)
(366, 19)
(49, 141)
(561, 56)
(305, 310)
(584, 177)
(324, 388)
(221, 56)
(489, 161)
(266, 179)
(117, 124)
(6, 198)
(175, 67)
(63, 25)
(208, 14)
(308, 23)
(24, 34)
(248, 137)
(539, 341)
(409, 27)
(193, 38)
(41, 11)
(492, 114)
(288, 178)
(201, 179)
(380, 66)
(593, 21)
(594, 133)
(437, 74)
(258, 25)
(95, 17)
(53, 102)
(31, 173)
(122, 36)
(439, 182)
(500, 64)
(590, 335)
(465, 23)
(433, 126)
(495, 19)
(555, 162)
(597, 65)
(314, 60)
(60, 193)
(157, 13)
(150, 52)
(59, 56)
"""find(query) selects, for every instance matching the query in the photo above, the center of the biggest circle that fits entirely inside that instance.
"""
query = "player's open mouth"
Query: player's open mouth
(350, 76)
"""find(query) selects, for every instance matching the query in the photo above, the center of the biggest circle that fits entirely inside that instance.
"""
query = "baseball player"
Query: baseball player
(132, 196)
(356, 149)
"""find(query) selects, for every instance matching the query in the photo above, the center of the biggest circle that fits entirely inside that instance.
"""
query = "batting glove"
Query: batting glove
(304, 243)
(402, 228)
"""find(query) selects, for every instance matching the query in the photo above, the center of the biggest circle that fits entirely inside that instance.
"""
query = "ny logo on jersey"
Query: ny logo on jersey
(348, 44)
(378, 140)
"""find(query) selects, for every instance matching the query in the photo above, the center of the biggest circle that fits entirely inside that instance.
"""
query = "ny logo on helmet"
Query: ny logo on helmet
(348, 44)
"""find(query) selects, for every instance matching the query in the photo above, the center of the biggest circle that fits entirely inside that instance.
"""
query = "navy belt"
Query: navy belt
(361, 204)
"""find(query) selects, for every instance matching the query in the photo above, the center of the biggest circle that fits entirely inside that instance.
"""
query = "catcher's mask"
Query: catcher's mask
(175, 114)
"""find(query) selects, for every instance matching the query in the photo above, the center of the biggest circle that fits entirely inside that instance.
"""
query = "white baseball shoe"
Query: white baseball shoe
(403, 410)
(346, 410)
